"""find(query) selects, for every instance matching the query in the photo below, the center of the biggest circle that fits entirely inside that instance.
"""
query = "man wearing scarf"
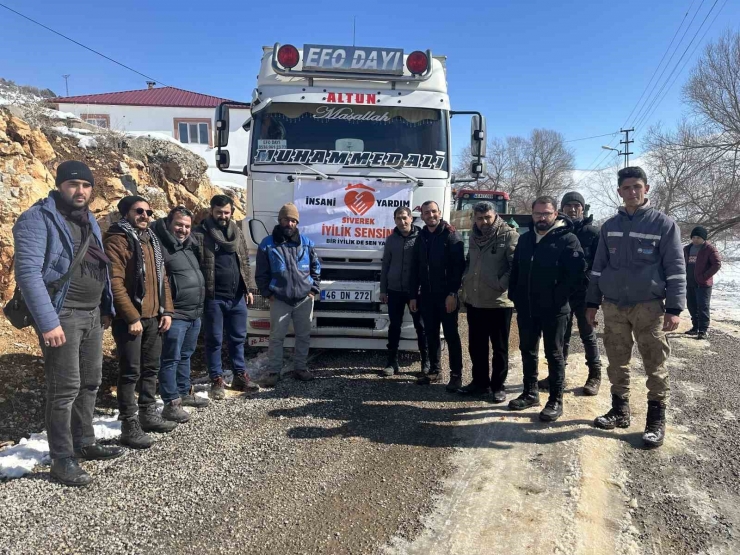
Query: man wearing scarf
(489, 310)
(70, 320)
(141, 295)
(225, 265)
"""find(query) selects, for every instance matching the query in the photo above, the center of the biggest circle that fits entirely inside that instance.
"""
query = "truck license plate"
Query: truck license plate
(347, 296)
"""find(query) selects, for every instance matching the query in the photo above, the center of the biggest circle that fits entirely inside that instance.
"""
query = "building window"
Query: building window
(193, 131)
(101, 120)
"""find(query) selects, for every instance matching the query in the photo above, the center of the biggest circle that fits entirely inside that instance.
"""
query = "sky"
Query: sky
(578, 67)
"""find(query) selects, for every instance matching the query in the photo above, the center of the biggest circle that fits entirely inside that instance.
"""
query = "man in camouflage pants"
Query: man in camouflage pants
(640, 274)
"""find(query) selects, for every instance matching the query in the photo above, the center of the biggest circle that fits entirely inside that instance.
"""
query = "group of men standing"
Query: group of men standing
(157, 283)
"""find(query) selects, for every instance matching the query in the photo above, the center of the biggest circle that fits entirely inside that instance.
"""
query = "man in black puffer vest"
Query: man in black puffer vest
(573, 205)
(548, 267)
(188, 288)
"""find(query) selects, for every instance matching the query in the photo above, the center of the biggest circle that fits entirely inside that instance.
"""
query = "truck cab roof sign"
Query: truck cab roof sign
(353, 59)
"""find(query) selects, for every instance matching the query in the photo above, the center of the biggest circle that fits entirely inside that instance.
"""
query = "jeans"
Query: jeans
(397, 303)
(138, 361)
(178, 345)
(489, 325)
(434, 313)
(73, 376)
(697, 299)
(281, 314)
(552, 329)
(230, 316)
(587, 333)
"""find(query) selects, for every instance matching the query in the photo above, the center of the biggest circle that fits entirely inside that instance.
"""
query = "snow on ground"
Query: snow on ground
(154, 135)
(85, 140)
(725, 304)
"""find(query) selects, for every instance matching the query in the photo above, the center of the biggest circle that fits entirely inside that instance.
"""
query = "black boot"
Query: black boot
(655, 425)
(152, 421)
(242, 382)
(693, 331)
(553, 408)
(133, 436)
(174, 412)
(97, 452)
(544, 385)
(617, 417)
(391, 367)
(530, 397)
(69, 472)
(593, 383)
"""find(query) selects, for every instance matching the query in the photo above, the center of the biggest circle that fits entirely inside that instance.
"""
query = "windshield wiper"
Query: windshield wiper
(410, 177)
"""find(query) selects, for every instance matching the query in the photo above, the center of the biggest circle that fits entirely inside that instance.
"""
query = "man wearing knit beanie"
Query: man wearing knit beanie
(73, 170)
(288, 273)
(702, 262)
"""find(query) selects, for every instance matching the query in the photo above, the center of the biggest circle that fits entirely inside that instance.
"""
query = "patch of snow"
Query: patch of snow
(725, 303)
(153, 135)
(88, 142)
(84, 140)
(21, 459)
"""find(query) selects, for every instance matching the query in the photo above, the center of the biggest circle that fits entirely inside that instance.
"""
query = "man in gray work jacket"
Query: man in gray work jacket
(640, 274)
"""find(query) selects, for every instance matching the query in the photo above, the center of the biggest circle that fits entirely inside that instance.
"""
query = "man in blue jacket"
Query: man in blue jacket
(69, 321)
(640, 275)
(288, 273)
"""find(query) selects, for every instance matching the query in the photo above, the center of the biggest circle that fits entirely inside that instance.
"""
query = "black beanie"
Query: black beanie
(573, 196)
(72, 169)
(125, 204)
(699, 231)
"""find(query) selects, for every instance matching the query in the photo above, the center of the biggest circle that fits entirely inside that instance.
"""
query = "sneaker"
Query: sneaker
(391, 367)
(473, 390)
(692, 331)
(191, 400)
(552, 411)
(430, 378)
(702, 335)
(499, 396)
(591, 388)
(303, 375)
(454, 384)
(530, 397)
(69, 472)
(655, 424)
(218, 389)
(270, 380)
(133, 436)
(97, 452)
(242, 382)
(152, 421)
(617, 417)
(544, 385)
(174, 412)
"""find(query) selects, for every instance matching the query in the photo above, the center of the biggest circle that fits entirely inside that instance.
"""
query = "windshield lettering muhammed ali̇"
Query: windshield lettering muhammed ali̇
(354, 136)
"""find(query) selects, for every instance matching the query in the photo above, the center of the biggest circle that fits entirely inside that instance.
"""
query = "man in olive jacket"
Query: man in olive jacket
(489, 310)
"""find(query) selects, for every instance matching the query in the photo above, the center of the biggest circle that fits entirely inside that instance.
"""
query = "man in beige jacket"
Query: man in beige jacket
(489, 310)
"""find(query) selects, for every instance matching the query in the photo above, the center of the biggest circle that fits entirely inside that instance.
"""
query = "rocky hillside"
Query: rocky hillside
(159, 170)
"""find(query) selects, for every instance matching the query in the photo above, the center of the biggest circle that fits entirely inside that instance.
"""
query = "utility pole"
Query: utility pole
(626, 142)
(66, 82)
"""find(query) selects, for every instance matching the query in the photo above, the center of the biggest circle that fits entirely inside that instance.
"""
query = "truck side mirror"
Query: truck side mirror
(223, 160)
(478, 136)
(222, 126)
(478, 168)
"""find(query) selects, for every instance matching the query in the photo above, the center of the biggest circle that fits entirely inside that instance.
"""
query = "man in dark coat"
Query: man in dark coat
(702, 262)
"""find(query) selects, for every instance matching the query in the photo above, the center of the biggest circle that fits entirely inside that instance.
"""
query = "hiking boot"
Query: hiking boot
(553, 409)
(69, 472)
(544, 385)
(702, 335)
(692, 331)
(241, 382)
(218, 389)
(97, 452)
(473, 390)
(192, 400)
(270, 380)
(430, 378)
(302, 375)
(391, 367)
(530, 397)
(152, 421)
(454, 384)
(133, 436)
(617, 417)
(655, 425)
(593, 383)
(499, 396)
(174, 412)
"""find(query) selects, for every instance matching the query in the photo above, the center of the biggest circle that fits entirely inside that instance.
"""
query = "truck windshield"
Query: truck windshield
(357, 136)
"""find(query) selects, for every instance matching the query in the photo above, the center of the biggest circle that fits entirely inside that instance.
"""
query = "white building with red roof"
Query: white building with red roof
(184, 116)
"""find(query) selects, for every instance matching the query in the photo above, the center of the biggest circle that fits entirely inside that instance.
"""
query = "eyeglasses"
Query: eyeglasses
(141, 211)
(182, 210)
(540, 215)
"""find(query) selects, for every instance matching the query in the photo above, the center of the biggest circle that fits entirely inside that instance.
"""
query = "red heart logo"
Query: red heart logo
(359, 202)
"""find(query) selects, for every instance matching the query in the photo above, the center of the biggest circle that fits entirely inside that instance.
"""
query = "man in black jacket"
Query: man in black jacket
(548, 267)
(188, 288)
(439, 262)
(573, 205)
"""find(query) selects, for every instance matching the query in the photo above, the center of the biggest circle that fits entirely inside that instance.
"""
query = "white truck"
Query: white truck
(367, 126)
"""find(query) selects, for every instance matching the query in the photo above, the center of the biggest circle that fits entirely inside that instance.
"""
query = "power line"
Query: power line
(82, 45)
(587, 138)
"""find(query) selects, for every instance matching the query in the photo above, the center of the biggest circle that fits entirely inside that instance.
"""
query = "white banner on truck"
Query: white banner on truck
(349, 213)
